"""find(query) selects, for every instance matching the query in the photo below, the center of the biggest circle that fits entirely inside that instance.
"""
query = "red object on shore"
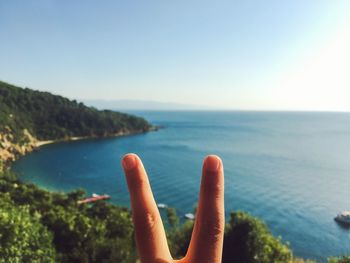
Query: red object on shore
(94, 198)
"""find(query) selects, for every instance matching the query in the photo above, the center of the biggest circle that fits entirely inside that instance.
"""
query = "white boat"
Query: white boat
(343, 217)
(162, 206)
(189, 216)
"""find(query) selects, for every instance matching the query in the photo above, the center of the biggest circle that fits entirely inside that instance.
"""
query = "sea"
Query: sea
(290, 169)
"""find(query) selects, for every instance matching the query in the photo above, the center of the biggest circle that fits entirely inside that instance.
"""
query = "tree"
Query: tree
(248, 240)
(179, 239)
(22, 237)
(172, 217)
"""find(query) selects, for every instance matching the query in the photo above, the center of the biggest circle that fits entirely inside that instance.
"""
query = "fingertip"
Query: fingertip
(129, 161)
(212, 163)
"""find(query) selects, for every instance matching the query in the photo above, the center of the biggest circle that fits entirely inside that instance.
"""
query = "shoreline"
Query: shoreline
(41, 143)
(12, 152)
(38, 144)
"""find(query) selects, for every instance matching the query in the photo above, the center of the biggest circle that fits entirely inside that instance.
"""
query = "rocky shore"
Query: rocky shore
(11, 150)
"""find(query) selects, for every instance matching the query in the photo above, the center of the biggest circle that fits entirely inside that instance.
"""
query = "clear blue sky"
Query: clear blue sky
(291, 55)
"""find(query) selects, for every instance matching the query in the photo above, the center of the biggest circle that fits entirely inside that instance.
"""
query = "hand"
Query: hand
(208, 232)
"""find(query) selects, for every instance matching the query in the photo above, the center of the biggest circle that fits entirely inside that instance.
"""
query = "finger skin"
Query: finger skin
(208, 233)
(149, 231)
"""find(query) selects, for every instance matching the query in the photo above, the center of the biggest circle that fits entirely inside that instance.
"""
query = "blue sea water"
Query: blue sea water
(290, 169)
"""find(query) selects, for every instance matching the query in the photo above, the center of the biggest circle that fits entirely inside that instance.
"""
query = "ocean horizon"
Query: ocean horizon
(290, 169)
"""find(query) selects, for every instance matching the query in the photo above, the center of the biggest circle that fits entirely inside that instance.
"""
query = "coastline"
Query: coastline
(41, 143)
(38, 143)
(10, 152)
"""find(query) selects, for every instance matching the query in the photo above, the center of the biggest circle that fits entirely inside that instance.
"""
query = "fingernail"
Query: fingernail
(129, 161)
(212, 163)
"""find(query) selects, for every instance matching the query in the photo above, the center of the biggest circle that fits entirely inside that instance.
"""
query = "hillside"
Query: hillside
(28, 116)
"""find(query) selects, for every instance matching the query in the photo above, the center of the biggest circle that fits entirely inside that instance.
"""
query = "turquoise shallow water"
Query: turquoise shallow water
(290, 169)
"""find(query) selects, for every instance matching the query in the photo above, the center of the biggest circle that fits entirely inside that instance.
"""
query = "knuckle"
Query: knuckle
(150, 220)
(213, 229)
(145, 223)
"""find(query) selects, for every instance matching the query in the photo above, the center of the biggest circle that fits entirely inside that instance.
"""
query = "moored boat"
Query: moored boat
(189, 216)
(162, 206)
(343, 217)
(94, 198)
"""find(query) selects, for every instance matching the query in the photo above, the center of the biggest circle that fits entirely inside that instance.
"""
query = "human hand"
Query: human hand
(208, 232)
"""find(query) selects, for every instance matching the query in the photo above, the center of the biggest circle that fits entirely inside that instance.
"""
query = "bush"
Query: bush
(343, 259)
(248, 240)
(22, 237)
(179, 239)
(100, 232)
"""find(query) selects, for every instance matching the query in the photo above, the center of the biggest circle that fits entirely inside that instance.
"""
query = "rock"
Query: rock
(10, 151)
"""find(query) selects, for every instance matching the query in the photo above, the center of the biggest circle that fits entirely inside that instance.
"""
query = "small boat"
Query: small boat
(162, 206)
(189, 216)
(343, 217)
(94, 198)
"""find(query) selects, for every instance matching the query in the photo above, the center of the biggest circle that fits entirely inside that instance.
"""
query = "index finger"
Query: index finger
(149, 231)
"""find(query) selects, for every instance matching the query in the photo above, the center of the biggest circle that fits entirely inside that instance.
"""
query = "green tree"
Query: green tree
(172, 217)
(22, 237)
(248, 240)
(179, 239)
(98, 232)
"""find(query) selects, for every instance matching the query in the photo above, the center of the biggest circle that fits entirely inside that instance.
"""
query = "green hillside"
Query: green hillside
(28, 117)
(52, 117)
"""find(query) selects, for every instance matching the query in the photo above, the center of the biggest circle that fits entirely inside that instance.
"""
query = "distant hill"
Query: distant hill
(142, 105)
(28, 116)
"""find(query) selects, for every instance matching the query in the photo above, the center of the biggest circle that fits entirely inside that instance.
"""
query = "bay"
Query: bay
(291, 169)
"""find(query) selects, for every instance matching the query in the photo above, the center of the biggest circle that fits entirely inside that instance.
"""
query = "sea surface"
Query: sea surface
(290, 169)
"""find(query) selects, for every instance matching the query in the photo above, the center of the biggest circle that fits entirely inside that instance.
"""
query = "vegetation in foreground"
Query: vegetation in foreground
(56, 229)
(41, 226)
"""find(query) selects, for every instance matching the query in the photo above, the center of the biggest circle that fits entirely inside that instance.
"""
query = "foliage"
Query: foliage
(248, 240)
(80, 233)
(52, 117)
(179, 239)
(300, 260)
(343, 259)
(173, 219)
(22, 237)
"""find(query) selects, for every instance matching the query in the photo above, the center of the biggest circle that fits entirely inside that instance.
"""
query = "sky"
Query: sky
(248, 55)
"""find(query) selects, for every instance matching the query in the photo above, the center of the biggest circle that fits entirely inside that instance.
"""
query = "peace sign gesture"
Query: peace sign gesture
(208, 232)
